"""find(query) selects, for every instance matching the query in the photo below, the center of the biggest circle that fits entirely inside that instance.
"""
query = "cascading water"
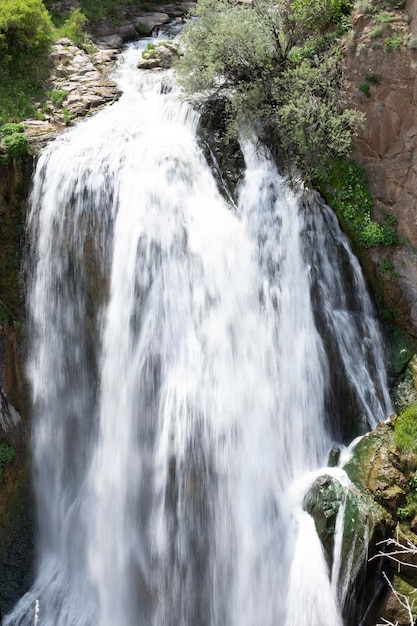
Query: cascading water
(181, 376)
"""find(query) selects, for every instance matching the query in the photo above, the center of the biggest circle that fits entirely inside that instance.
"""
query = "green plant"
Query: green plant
(285, 84)
(344, 186)
(67, 116)
(385, 17)
(26, 33)
(317, 15)
(386, 266)
(7, 455)
(25, 29)
(372, 78)
(376, 31)
(149, 52)
(406, 430)
(57, 97)
(365, 89)
(394, 42)
(74, 27)
(13, 140)
(406, 512)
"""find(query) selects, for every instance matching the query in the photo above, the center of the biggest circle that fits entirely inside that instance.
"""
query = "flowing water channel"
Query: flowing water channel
(186, 364)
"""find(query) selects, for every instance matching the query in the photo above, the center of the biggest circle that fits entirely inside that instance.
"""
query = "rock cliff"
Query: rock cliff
(380, 70)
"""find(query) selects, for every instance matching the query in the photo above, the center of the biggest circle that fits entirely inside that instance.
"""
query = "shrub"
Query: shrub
(283, 85)
(57, 97)
(25, 28)
(317, 15)
(394, 42)
(376, 31)
(311, 125)
(344, 185)
(406, 430)
(26, 33)
(74, 27)
(365, 89)
(14, 140)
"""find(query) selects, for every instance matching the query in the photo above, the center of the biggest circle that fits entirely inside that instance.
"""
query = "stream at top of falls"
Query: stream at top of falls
(185, 364)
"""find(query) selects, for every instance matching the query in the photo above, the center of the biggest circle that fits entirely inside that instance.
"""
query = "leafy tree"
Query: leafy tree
(311, 124)
(25, 29)
(280, 78)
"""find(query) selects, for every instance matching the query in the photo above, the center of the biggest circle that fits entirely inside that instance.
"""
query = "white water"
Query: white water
(181, 377)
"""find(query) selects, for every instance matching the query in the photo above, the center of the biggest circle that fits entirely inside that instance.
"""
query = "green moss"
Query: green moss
(406, 430)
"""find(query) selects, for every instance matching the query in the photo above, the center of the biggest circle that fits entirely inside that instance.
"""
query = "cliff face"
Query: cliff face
(380, 69)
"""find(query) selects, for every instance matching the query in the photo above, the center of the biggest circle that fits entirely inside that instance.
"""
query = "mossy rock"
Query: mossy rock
(363, 520)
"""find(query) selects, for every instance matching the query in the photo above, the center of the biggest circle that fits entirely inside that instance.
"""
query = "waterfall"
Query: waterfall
(182, 367)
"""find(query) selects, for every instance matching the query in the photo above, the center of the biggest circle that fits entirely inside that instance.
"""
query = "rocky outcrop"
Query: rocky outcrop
(379, 497)
(380, 70)
(80, 85)
(128, 22)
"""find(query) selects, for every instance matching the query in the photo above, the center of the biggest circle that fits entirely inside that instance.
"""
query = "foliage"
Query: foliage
(406, 430)
(149, 52)
(74, 27)
(285, 84)
(25, 28)
(344, 185)
(14, 140)
(372, 78)
(7, 455)
(216, 50)
(312, 126)
(26, 33)
(394, 42)
(365, 89)
(57, 97)
(317, 15)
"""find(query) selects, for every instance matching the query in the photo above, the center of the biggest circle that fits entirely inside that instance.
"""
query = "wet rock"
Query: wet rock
(362, 525)
(161, 55)
(145, 24)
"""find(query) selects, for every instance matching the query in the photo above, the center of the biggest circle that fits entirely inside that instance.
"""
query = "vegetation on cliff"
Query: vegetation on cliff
(26, 33)
(286, 84)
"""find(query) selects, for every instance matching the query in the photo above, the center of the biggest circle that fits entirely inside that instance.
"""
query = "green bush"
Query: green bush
(13, 140)
(311, 125)
(365, 89)
(57, 97)
(26, 33)
(406, 430)
(285, 84)
(74, 27)
(25, 29)
(344, 186)
(394, 42)
(317, 15)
